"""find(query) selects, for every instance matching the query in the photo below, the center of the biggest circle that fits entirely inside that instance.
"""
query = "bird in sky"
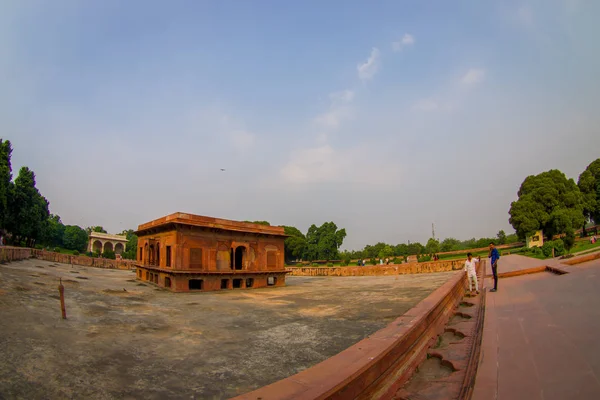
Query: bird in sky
(222, 169)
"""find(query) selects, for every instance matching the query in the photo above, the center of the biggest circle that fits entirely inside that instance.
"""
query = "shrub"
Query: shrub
(330, 264)
(547, 248)
(75, 253)
(424, 258)
(89, 254)
(559, 247)
(57, 249)
(345, 263)
(373, 261)
(397, 260)
(109, 254)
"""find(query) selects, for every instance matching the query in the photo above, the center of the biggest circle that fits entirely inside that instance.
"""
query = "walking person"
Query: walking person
(471, 268)
(494, 257)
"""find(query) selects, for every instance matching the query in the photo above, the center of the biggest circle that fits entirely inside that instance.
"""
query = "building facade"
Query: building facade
(185, 252)
(100, 242)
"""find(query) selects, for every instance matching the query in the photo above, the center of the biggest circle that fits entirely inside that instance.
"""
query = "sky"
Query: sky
(385, 116)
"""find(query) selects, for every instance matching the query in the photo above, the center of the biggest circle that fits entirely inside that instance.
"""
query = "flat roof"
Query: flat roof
(101, 235)
(211, 222)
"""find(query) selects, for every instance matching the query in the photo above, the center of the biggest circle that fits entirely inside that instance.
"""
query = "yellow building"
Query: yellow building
(535, 240)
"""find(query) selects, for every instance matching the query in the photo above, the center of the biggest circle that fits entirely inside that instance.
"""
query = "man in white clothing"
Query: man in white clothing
(471, 268)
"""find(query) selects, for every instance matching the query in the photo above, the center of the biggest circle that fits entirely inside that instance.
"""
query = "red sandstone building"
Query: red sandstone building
(185, 252)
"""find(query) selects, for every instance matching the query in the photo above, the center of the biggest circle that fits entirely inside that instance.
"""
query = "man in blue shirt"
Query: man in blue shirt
(495, 256)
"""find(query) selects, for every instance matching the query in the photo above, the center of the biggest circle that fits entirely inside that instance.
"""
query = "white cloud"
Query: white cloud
(325, 164)
(339, 110)
(407, 40)
(369, 68)
(473, 76)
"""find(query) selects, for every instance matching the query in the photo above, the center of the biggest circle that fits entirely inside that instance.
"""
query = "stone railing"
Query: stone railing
(376, 366)
(83, 260)
(9, 254)
(373, 270)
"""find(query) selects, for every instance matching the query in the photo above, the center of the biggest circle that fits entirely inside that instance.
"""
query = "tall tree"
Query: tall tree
(5, 180)
(548, 201)
(75, 238)
(295, 244)
(131, 247)
(432, 246)
(53, 231)
(501, 237)
(323, 242)
(589, 185)
(27, 207)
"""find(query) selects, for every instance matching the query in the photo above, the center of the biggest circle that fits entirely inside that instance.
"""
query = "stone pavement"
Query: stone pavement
(541, 333)
(512, 263)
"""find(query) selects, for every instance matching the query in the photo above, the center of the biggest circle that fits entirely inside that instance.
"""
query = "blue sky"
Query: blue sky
(382, 116)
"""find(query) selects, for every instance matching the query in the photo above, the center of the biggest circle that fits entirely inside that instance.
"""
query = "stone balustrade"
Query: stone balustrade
(374, 270)
(83, 260)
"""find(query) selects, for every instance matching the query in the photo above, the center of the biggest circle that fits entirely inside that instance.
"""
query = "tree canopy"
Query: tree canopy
(589, 185)
(548, 201)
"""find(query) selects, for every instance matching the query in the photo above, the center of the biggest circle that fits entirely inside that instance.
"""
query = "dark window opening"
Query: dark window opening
(231, 259)
(168, 260)
(239, 257)
(249, 282)
(195, 284)
(141, 254)
(237, 283)
(271, 281)
(156, 278)
(224, 283)
(158, 254)
(147, 275)
(167, 282)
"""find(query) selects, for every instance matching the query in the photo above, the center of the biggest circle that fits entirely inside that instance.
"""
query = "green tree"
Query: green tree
(547, 201)
(295, 244)
(53, 231)
(450, 244)
(266, 223)
(589, 185)
(75, 238)
(387, 251)
(323, 242)
(5, 181)
(432, 246)
(130, 252)
(98, 229)
(569, 239)
(27, 207)
(501, 237)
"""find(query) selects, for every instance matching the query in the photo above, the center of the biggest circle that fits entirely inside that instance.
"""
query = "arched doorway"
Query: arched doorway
(108, 247)
(119, 248)
(240, 251)
(97, 246)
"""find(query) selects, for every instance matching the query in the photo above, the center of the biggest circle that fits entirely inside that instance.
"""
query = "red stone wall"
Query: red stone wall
(9, 254)
(372, 270)
(83, 260)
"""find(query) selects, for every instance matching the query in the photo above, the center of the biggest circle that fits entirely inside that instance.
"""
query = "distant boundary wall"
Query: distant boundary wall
(374, 270)
(83, 260)
(9, 254)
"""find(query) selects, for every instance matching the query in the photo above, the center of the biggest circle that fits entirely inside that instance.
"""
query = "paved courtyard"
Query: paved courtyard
(128, 340)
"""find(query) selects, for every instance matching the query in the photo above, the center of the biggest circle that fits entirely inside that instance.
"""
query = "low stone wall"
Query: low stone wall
(376, 366)
(373, 270)
(9, 254)
(582, 259)
(83, 260)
